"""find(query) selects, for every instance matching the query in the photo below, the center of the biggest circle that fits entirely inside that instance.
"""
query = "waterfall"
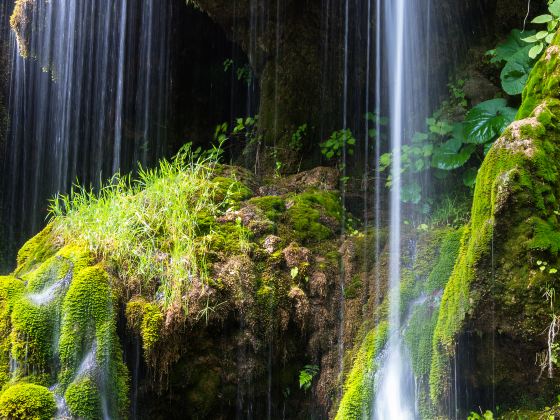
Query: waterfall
(90, 100)
(405, 57)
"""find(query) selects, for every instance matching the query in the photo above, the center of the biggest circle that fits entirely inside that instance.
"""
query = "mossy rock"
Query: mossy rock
(27, 402)
(82, 399)
(514, 223)
(358, 388)
(313, 216)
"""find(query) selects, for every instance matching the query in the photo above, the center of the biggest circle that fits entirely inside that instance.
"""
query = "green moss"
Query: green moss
(36, 250)
(152, 323)
(11, 290)
(82, 399)
(27, 402)
(88, 324)
(32, 335)
(230, 190)
(358, 388)
(448, 252)
(308, 212)
(520, 174)
(353, 288)
(272, 206)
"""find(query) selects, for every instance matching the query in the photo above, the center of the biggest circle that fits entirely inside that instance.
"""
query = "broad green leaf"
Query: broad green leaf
(411, 193)
(536, 50)
(554, 8)
(469, 177)
(448, 160)
(487, 120)
(512, 44)
(542, 19)
(419, 137)
(541, 35)
(530, 39)
(549, 38)
(516, 71)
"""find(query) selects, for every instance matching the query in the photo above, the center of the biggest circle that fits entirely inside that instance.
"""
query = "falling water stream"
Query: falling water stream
(405, 33)
(91, 100)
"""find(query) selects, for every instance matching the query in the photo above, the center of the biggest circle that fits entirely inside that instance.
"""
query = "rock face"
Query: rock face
(498, 308)
(286, 44)
(5, 7)
(261, 305)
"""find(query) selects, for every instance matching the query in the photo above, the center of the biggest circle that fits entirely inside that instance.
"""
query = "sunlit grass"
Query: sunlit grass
(153, 231)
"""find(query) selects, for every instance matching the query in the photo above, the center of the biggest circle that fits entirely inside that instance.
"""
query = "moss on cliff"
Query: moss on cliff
(359, 386)
(513, 223)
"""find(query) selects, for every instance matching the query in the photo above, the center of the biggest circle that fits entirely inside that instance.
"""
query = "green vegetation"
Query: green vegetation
(27, 402)
(160, 226)
(306, 376)
(358, 388)
(520, 168)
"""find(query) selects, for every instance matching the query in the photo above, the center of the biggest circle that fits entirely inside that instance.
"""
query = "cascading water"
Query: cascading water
(405, 39)
(394, 398)
(90, 100)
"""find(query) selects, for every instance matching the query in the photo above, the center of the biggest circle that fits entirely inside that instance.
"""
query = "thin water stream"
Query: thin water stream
(91, 100)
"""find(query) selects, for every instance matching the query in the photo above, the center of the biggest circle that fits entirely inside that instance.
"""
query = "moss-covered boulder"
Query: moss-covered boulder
(27, 402)
(58, 330)
(500, 303)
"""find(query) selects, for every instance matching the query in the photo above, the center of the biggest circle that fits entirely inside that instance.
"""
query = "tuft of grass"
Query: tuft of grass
(154, 231)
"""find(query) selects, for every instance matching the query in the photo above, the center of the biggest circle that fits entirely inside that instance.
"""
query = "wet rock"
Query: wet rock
(295, 255)
(271, 243)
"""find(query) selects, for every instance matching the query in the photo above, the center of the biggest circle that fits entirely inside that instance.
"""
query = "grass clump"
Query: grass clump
(156, 232)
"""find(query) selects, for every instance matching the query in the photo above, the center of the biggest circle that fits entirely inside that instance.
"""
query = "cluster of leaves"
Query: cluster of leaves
(543, 38)
(517, 63)
(244, 73)
(522, 48)
(306, 376)
(338, 143)
(298, 137)
(447, 146)
(487, 415)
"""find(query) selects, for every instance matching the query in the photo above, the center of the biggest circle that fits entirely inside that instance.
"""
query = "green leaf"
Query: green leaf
(549, 38)
(411, 193)
(530, 39)
(469, 177)
(554, 8)
(419, 137)
(541, 35)
(294, 272)
(536, 50)
(542, 19)
(513, 44)
(448, 159)
(516, 71)
(487, 120)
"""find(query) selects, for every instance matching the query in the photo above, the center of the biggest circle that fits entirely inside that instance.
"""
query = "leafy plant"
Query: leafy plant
(543, 38)
(244, 73)
(486, 121)
(338, 142)
(448, 146)
(513, 54)
(306, 376)
(487, 415)
(298, 137)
